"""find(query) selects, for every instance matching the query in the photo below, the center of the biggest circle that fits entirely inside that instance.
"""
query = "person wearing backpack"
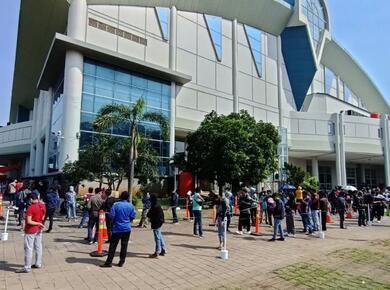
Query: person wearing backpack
(197, 202)
(156, 217)
(244, 205)
(52, 201)
(278, 213)
(21, 204)
(174, 202)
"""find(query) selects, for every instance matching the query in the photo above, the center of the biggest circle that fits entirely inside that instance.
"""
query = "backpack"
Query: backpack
(21, 199)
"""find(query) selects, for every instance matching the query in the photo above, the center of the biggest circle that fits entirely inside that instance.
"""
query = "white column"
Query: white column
(172, 66)
(280, 80)
(39, 158)
(235, 66)
(32, 159)
(342, 151)
(77, 19)
(48, 102)
(386, 146)
(314, 168)
(336, 117)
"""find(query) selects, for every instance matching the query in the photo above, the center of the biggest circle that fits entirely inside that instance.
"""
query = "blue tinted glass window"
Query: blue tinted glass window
(139, 82)
(313, 10)
(89, 68)
(214, 25)
(329, 78)
(87, 103)
(153, 99)
(137, 94)
(254, 39)
(347, 93)
(100, 103)
(89, 84)
(123, 77)
(163, 18)
(122, 92)
(105, 72)
(104, 88)
(86, 121)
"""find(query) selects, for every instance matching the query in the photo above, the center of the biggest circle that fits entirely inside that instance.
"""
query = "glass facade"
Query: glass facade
(313, 10)
(214, 25)
(163, 14)
(254, 40)
(103, 84)
(347, 93)
(329, 79)
(325, 177)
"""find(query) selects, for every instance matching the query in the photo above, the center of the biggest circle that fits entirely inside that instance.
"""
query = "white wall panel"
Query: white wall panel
(224, 79)
(152, 24)
(134, 16)
(227, 28)
(227, 51)
(157, 52)
(189, 15)
(187, 98)
(259, 114)
(101, 38)
(272, 95)
(206, 73)
(241, 35)
(186, 34)
(271, 74)
(306, 126)
(186, 63)
(244, 60)
(259, 94)
(321, 127)
(189, 114)
(205, 46)
(131, 48)
(349, 130)
(362, 130)
(273, 118)
(109, 10)
(244, 86)
(206, 102)
(272, 51)
(246, 107)
(224, 106)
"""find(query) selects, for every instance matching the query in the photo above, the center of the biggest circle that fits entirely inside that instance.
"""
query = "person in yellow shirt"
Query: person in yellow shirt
(298, 198)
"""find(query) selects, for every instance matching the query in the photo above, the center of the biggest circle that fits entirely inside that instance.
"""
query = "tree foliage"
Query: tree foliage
(232, 149)
(297, 176)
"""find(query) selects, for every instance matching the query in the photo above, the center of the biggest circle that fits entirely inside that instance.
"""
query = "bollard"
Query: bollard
(1, 206)
(4, 235)
(369, 222)
(214, 217)
(224, 252)
(257, 232)
(100, 252)
(236, 205)
(321, 233)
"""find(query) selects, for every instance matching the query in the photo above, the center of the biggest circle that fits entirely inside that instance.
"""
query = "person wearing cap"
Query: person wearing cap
(33, 234)
(244, 205)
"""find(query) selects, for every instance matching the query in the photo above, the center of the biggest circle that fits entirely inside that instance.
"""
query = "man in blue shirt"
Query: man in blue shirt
(52, 201)
(122, 214)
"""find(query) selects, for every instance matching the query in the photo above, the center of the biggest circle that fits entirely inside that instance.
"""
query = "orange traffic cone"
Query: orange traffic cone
(1, 206)
(257, 232)
(214, 217)
(100, 252)
(187, 217)
(105, 231)
(328, 216)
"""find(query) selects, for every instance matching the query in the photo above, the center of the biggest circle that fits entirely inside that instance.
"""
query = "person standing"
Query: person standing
(229, 200)
(290, 209)
(156, 217)
(190, 204)
(94, 206)
(269, 207)
(52, 201)
(33, 234)
(323, 209)
(222, 212)
(12, 191)
(361, 207)
(278, 213)
(121, 215)
(21, 204)
(341, 206)
(315, 211)
(85, 214)
(145, 208)
(197, 202)
(244, 219)
(174, 203)
(70, 198)
(107, 206)
(305, 213)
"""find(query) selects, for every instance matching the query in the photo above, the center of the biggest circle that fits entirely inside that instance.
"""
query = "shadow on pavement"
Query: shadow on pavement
(62, 240)
(194, 247)
(176, 234)
(74, 260)
(129, 254)
(4, 266)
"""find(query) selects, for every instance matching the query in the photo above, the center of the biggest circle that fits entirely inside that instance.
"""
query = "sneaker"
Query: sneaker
(163, 252)
(36, 267)
(200, 237)
(271, 240)
(22, 270)
(239, 232)
(153, 256)
(248, 233)
(194, 235)
(176, 223)
(105, 265)
(281, 239)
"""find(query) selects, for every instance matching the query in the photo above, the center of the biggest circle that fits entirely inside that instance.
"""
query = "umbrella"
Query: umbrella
(350, 188)
(287, 187)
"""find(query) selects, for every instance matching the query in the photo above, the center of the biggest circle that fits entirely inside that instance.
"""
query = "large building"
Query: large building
(274, 58)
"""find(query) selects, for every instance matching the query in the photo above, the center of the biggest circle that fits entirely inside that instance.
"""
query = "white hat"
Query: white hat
(270, 200)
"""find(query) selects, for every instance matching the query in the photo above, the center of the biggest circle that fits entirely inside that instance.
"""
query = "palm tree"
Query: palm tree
(113, 114)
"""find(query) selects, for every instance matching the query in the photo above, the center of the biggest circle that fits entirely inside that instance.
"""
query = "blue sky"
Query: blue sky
(360, 26)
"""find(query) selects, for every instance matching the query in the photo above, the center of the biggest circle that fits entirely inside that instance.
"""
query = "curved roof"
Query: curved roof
(343, 64)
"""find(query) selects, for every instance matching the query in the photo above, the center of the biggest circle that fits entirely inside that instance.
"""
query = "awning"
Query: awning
(4, 169)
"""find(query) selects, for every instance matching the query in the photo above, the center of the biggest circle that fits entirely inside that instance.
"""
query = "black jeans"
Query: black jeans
(362, 217)
(93, 222)
(290, 223)
(269, 213)
(323, 219)
(115, 237)
(244, 220)
(109, 226)
(228, 220)
(342, 218)
(49, 214)
(174, 215)
(198, 222)
(253, 215)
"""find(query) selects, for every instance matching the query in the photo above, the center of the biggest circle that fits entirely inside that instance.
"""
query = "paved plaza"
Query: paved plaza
(355, 258)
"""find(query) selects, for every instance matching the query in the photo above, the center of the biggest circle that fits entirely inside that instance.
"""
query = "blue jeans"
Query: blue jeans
(315, 220)
(198, 222)
(71, 210)
(84, 217)
(221, 230)
(306, 220)
(159, 239)
(278, 227)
